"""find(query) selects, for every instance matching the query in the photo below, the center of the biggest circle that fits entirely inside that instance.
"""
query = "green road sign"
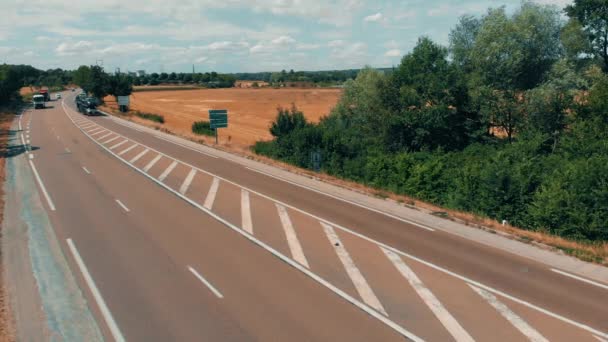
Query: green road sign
(218, 118)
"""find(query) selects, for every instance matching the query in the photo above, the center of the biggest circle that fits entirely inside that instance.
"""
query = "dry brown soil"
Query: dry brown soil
(6, 326)
(250, 111)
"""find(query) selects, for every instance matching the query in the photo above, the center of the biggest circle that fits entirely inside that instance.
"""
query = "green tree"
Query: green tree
(287, 121)
(593, 16)
(462, 41)
(515, 52)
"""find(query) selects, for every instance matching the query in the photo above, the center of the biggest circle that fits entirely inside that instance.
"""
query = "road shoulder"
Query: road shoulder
(45, 299)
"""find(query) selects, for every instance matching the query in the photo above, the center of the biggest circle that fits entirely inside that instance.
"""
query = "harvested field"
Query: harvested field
(250, 111)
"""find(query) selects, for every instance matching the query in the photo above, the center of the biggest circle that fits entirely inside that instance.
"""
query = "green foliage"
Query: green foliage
(287, 120)
(202, 128)
(151, 117)
(593, 17)
(424, 129)
(120, 85)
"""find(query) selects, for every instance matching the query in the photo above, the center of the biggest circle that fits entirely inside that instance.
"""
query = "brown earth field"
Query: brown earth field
(250, 111)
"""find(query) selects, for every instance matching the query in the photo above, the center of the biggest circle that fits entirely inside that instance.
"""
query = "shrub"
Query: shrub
(151, 117)
(202, 128)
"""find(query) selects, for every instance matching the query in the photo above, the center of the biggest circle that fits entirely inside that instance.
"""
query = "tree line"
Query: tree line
(509, 122)
(14, 77)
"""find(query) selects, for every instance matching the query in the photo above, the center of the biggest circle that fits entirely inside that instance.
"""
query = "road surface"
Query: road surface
(169, 243)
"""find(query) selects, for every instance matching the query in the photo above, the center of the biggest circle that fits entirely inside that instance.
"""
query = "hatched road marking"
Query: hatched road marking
(141, 154)
(363, 288)
(167, 171)
(110, 140)
(152, 162)
(186, 184)
(292, 239)
(521, 325)
(127, 149)
(119, 144)
(102, 131)
(105, 136)
(211, 194)
(448, 321)
(247, 223)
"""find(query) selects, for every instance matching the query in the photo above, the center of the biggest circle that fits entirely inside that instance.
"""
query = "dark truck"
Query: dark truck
(86, 105)
(45, 93)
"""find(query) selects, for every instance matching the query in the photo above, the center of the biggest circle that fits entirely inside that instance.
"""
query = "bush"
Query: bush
(202, 128)
(151, 117)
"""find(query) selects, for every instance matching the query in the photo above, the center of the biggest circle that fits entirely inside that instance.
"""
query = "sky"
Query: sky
(226, 35)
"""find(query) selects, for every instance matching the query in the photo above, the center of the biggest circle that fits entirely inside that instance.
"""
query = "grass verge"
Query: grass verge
(202, 128)
(151, 117)
(7, 114)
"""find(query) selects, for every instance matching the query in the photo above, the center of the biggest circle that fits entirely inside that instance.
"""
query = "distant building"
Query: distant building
(131, 73)
(141, 73)
(250, 84)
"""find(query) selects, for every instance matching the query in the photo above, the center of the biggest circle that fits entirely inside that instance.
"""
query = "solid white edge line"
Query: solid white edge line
(42, 187)
(167, 171)
(67, 150)
(187, 181)
(20, 128)
(605, 287)
(521, 325)
(343, 200)
(105, 311)
(86, 170)
(124, 207)
(215, 291)
(246, 220)
(432, 302)
(211, 194)
(297, 253)
(356, 277)
(600, 339)
(399, 329)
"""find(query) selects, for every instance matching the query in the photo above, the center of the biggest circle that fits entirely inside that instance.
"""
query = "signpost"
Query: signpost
(218, 118)
(123, 102)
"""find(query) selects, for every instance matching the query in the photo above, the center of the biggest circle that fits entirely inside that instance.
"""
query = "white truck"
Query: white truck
(38, 101)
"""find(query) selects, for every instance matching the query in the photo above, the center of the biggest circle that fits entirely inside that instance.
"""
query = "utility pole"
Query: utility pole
(192, 69)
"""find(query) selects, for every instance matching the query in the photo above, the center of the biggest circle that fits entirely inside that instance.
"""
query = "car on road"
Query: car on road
(38, 101)
(57, 96)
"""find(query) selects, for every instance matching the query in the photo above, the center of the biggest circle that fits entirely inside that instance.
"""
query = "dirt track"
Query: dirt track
(251, 111)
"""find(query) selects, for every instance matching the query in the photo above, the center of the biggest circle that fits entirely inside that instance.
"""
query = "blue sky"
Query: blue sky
(228, 35)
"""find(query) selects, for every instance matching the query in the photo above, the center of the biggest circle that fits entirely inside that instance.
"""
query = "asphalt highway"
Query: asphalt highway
(169, 243)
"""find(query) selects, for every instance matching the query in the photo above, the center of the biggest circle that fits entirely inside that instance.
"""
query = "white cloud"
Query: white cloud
(373, 17)
(69, 48)
(336, 43)
(308, 46)
(283, 40)
(393, 53)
